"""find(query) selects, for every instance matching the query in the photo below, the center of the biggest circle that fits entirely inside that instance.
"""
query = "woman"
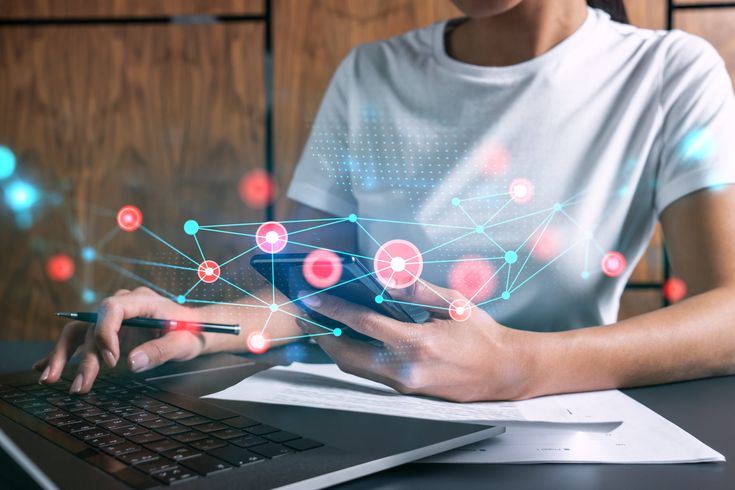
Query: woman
(605, 127)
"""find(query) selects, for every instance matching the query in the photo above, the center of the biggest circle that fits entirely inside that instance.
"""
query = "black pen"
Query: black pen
(167, 325)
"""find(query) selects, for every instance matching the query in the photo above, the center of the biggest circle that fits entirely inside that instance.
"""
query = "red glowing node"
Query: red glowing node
(129, 218)
(475, 279)
(544, 244)
(322, 268)
(271, 237)
(208, 271)
(613, 264)
(60, 267)
(494, 160)
(674, 289)
(257, 343)
(521, 190)
(460, 310)
(398, 264)
(256, 189)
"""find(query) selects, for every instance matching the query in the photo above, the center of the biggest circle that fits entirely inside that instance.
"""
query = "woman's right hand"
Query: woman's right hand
(104, 342)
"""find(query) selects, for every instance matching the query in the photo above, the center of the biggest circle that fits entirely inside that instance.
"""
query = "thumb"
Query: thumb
(426, 294)
(174, 346)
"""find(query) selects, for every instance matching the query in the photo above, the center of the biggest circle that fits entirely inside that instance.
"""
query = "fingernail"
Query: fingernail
(139, 362)
(109, 358)
(44, 374)
(312, 300)
(76, 386)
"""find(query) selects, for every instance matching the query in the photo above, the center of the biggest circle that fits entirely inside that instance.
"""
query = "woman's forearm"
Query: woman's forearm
(251, 315)
(691, 339)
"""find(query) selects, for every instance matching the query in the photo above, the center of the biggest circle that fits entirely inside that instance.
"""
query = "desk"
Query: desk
(705, 408)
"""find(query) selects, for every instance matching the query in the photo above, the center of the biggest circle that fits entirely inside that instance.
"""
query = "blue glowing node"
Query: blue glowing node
(7, 162)
(181, 299)
(21, 196)
(88, 296)
(352, 218)
(557, 206)
(191, 227)
(273, 307)
(89, 254)
(337, 332)
(511, 257)
(585, 275)
(505, 295)
(479, 229)
(456, 201)
(379, 298)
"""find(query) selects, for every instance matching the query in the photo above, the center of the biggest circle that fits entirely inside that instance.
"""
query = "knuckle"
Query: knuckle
(120, 292)
(143, 290)
(160, 350)
(110, 305)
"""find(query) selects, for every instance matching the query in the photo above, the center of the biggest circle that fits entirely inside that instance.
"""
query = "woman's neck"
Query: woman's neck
(524, 32)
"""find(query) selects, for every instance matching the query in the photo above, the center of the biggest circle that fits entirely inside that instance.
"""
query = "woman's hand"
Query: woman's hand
(472, 360)
(101, 343)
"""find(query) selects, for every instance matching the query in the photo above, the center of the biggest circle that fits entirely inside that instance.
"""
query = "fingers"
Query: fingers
(174, 346)
(424, 293)
(89, 366)
(112, 311)
(360, 318)
(70, 339)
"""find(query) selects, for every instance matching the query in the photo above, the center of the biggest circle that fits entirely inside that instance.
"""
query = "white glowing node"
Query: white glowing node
(398, 264)
(271, 237)
(208, 271)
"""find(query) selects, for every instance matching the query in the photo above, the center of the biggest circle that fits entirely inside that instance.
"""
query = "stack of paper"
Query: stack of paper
(580, 427)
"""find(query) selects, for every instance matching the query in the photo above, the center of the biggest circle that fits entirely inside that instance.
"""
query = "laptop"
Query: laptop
(151, 430)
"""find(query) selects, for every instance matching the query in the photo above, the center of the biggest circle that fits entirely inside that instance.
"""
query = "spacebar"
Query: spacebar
(193, 405)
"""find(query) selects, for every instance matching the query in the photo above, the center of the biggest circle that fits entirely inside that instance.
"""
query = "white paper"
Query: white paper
(325, 386)
(644, 437)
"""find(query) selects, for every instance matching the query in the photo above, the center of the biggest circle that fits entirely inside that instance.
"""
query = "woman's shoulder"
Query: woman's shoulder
(410, 45)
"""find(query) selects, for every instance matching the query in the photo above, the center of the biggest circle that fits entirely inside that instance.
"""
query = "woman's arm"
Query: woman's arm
(691, 339)
(479, 359)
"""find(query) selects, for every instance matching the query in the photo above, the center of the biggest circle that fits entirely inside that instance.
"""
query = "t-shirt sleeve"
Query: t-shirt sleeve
(322, 179)
(698, 138)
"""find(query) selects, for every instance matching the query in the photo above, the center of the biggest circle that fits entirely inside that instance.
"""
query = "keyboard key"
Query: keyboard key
(228, 433)
(176, 475)
(98, 419)
(115, 423)
(162, 445)
(206, 465)
(207, 444)
(181, 453)
(161, 409)
(236, 456)
(261, 429)
(270, 450)
(120, 449)
(172, 429)
(90, 412)
(156, 465)
(138, 457)
(189, 436)
(104, 462)
(241, 422)
(146, 438)
(303, 444)
(211, 427)
(156, 423)
(281, 436)
(178, 414)
(91, 433)
(248, 441)
(55, 414)
(132, 430)
(107, 440)
(195, 420)
(139, 418)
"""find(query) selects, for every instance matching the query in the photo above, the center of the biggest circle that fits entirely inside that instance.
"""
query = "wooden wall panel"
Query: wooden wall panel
(715, 25)
(311, 39)
(650, 14)
(163, 116)
(60, 9)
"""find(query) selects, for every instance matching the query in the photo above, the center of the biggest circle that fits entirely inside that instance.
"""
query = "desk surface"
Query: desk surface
(704, 408)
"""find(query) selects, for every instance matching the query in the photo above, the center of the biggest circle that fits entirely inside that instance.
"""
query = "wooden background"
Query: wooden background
(107, 103)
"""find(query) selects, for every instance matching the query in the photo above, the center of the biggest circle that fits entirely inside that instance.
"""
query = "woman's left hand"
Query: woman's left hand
(471, 360)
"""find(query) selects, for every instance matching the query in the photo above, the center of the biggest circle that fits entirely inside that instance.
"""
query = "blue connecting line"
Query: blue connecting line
(168, 245)
(196, 240)
(307, 320)
(125, 260)
(242, 290)
(258, 223)
(141, 280)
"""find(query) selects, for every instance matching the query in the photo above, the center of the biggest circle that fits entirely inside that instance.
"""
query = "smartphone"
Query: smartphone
(356, 285)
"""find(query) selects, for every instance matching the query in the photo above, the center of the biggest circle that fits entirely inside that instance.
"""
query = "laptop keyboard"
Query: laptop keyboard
(144, 436)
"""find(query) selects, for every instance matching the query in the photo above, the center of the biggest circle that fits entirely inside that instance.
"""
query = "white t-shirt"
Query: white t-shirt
(553, 162)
